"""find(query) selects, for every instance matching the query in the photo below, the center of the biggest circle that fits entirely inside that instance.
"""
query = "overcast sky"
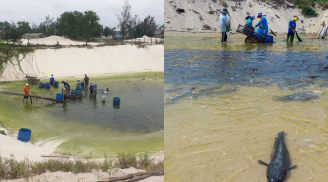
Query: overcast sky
(36, 10)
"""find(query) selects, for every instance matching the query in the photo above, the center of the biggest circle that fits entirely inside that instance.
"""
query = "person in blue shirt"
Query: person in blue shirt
(52, 81)
(92, 87)
(250, 20)
(223, 20)
(292, 27)
(263, 22)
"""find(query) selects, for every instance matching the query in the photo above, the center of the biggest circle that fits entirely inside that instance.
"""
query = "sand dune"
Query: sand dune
(52, 40)
(197, 15)
(67, 62)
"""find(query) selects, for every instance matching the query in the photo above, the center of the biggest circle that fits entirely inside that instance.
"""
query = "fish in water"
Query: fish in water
(299, 96)
(173, 100)
(279, 163)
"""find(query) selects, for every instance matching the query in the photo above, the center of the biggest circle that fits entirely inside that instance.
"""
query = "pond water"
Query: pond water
(89, 125)
(224, 103)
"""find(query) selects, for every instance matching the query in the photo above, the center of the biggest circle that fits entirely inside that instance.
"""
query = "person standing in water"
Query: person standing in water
(26, 89)
(86, 81)
(64, 92)
(223, 20)
(263, 22)
(250, 20)
(292, 27)
(52, 81)
(91, 88)
(68, 86)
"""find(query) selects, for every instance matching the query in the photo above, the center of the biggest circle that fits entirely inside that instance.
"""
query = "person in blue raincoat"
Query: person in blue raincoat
(263, 22)
(250, 20)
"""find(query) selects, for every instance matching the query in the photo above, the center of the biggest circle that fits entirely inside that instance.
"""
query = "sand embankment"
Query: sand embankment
(73, 61)
(197, 15)
(54, 40)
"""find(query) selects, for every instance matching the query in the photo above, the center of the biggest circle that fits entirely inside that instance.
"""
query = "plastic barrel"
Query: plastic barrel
(73, 92)
(47, 85)
(41, 85)
(269, 37)
(78, 91)
(24, 134)
(116, 101)
(260, 32)
(82, 84)
(56, 84)
(59, 96)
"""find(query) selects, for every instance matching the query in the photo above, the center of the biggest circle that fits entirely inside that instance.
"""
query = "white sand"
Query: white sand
(191, 20)
(68, 62)
(11, 147)
(85, 177)
(52, 40)
(146, 39)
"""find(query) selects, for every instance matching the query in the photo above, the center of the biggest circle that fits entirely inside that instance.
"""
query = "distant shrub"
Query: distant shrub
(308, 11)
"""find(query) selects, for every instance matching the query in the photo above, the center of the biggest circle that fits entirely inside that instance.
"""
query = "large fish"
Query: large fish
(299, 96)
(279, 163)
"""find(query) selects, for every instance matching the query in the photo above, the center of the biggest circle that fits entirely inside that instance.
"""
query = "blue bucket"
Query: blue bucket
(269, 40)
(260, 32)
(24, 134)
(82, 84)
(95, 86)
(47, 86)
(41, 85)
(56, 84)
(59, 96)
(116, 101)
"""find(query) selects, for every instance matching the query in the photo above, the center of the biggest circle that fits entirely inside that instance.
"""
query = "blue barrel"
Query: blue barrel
(41, 85)
(24, 134)
(269, 39)
(56, 84)
(82, 84)
(47, 85)
(260, 32)
(73, 92)
(59, 96)
(116, 101)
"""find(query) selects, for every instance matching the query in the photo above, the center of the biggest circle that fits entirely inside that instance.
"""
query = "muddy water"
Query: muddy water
(240, 101)
(90, 126)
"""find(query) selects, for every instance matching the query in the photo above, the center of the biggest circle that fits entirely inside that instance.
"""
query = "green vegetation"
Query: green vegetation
(13, 169)
(305, 5)
(13, 54)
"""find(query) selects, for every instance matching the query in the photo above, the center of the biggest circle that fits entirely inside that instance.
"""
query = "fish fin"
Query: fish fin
(263, 163)
(293, 167)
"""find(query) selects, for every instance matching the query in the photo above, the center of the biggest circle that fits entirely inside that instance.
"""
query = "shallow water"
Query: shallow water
(90, 125)
(242, 99)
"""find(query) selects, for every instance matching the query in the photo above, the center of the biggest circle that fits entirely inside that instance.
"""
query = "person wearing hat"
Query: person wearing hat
(223, 21)
(292, 26)
(68, 86)
(263, 22)
(78, 84)
(26, 89)
(92, 87)
(52, 81)
(250, 20)
(86, 80)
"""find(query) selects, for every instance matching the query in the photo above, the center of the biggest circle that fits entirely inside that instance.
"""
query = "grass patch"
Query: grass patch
(13, 169)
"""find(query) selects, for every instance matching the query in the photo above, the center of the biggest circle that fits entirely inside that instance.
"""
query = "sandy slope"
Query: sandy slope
(66, 62)
(191, 21)
(52, 40)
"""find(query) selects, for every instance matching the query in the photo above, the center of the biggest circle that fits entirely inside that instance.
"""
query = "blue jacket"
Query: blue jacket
(92, 87)
(292, 24)
(223, 20)
(264, 24)
(249, 22)
(52, 79)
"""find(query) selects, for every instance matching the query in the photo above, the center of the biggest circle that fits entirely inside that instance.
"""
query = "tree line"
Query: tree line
(83, 26)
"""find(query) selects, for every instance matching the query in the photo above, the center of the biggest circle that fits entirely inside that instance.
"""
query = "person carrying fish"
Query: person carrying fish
(224, 24)
(250, 20)
(52, 81)
(65, 91)
(26, 89)
(68, 86)
(263, 23)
